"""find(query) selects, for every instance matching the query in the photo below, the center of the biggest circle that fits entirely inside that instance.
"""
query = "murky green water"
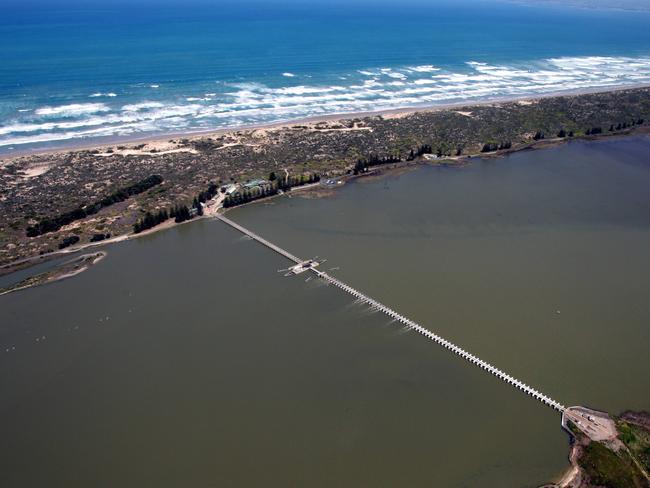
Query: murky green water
(185, 359)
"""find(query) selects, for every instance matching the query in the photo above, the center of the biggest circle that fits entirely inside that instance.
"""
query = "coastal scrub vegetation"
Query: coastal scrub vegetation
(55, 223)
(330, 149)
(610, 469)
(637, 439)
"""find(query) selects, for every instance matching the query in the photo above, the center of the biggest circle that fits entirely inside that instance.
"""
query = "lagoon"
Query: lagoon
(185, 358)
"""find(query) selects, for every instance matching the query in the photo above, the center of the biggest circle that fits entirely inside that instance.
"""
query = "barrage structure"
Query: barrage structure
(362, 297)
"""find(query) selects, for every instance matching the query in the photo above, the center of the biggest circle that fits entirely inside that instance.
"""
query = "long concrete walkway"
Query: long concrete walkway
(259, 239)
(407, 322)
(443, 342)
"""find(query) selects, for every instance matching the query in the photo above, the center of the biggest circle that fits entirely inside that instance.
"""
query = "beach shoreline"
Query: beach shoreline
(152, 138)
(44, 186)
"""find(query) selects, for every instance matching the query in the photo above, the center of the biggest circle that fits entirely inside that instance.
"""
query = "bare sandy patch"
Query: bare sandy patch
(397, 115)
(337, 126)
(234, 144)
(36, 170)
(154, 147)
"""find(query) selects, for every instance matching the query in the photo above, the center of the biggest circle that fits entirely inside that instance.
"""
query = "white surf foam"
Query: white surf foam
(72, 110)
(364, 90)
(141, 106)
(424, 68)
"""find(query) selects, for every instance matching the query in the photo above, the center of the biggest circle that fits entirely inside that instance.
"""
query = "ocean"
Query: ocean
(79, 72)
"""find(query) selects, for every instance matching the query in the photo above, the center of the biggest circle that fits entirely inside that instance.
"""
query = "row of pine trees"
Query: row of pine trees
(539, 135)
(180, 213)
(274, 185)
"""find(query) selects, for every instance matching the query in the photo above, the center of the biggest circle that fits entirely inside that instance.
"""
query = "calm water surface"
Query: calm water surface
(185, 359)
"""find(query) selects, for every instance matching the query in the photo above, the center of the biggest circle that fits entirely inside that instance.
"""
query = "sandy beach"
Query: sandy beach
(160, 142)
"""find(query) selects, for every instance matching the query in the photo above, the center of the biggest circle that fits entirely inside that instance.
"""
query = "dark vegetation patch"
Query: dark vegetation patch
(270, 188)
(53, 224)
(637, 439)
(606, 468)
(68, 241)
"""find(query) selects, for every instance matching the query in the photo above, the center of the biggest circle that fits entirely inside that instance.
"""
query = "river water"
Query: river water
(185, 359)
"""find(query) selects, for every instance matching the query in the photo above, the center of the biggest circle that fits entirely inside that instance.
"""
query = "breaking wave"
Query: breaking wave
(72, 110)
(369, 89)
(100, 94)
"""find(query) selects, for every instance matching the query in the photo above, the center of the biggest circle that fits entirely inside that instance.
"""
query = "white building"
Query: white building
(230, 189)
